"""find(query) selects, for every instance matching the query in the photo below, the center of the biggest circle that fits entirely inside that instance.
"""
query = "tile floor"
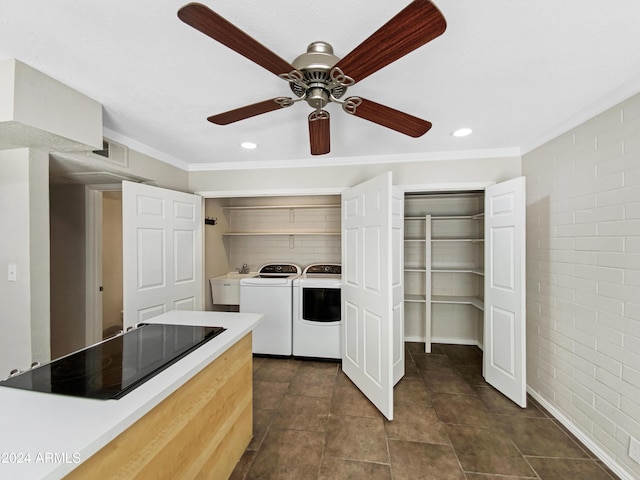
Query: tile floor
(311, 422)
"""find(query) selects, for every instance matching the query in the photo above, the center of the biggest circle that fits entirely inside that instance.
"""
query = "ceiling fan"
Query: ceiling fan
(319, 77)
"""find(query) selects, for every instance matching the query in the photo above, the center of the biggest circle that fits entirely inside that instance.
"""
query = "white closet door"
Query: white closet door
(504, 294)
(367, 299)
(397, 281)
(162, 251)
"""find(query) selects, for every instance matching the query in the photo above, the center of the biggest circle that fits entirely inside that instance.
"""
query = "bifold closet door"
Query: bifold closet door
(162, 251)
(504, 364)
(372, 294)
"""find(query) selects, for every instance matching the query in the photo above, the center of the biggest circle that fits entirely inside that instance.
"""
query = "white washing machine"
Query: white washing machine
(317, 319)
(270, 292)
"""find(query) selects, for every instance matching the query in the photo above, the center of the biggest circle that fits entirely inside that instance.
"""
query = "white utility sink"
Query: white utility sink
(225, 289)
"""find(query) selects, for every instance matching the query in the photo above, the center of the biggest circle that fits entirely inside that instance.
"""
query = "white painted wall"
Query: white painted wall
(333, 179)
(301, 250)
(24, 241)
(7, 83)
(583, 280)
(67, 244)
(50, 106)
(39, 255)
(39, 112)
(216, 250)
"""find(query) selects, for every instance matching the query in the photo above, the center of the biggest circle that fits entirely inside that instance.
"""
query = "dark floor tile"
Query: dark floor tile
(427, 362)
(485, 476)
(461, 409)
(498, 404)
(540, 437)
(348, 400)
(262, 419)
(472, 374)
(288, 455)
(535, 403)
(257, 363)
(410, 369)
(413, 460)
(570, 435)
(567, 468)
(411, 390)
(268, 395)
(446, 382)
(242, 467)
(325, 368)
(276, 370)
(601, 464)
(356, 438)
(302, 413)
(312, 384)
(416, 423)
(463, 354)
(485, 450)
(340, 469)
(414, 347)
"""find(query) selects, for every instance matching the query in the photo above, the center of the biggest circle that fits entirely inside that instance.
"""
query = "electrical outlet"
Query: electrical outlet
(634, 450)
(12, 274)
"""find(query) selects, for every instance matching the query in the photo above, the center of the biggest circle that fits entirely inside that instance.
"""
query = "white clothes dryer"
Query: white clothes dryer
(317, 320)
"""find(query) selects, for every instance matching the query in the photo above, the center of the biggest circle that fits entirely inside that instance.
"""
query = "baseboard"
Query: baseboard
(580, 435)
(454, 341)
(414, 339)
(451, 341)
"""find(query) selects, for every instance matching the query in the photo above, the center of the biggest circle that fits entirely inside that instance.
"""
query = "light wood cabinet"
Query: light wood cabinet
(199, 431)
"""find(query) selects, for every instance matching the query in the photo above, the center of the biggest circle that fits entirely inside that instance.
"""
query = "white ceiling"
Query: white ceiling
(517, 72)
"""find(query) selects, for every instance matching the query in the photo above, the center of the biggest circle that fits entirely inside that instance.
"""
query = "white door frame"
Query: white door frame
(93, 259)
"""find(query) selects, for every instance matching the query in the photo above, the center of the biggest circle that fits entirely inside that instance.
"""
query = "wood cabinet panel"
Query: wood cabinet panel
(199, 431)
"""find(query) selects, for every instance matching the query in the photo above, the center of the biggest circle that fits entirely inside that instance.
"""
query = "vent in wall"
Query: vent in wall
(112, 152)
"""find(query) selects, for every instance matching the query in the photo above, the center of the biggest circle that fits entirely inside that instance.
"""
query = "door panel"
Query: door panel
(504, 364)
(367, 257)
(397, 281)
(162, 251)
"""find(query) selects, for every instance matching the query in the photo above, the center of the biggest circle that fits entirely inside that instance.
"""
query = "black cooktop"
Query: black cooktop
(114, 367)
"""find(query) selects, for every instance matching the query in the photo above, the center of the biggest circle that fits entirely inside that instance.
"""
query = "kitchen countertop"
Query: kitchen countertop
(45, 436)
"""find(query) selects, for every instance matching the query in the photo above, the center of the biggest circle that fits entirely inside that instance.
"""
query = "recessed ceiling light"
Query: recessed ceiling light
(462, 132)
(249, 145)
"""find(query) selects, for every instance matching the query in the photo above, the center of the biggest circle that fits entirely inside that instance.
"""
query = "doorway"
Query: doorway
(111, 285)
(104, 275)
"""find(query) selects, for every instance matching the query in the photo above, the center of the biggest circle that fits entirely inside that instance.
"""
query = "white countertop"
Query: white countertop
(58, 432)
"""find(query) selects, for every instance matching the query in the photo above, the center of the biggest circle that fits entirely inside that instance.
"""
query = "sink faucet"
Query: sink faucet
(243, 269)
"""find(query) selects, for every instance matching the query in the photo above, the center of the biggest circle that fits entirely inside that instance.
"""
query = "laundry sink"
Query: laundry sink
(225, 289)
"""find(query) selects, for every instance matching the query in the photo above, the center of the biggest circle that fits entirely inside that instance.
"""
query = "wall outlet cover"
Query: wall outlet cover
(634, 450)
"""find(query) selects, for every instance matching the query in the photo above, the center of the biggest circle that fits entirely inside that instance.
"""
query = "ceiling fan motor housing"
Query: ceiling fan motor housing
(316, 65)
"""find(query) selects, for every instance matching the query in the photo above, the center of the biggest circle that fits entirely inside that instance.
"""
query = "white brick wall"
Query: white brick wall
(583, 278)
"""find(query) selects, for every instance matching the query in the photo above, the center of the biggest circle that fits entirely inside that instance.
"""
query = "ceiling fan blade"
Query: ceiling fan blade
(250, 111)
(387, 116)
(319, 132)
(418, 23)
(204, 19)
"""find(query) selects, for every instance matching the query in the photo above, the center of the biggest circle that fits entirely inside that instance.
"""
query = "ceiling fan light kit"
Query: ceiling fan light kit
(319, 77)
